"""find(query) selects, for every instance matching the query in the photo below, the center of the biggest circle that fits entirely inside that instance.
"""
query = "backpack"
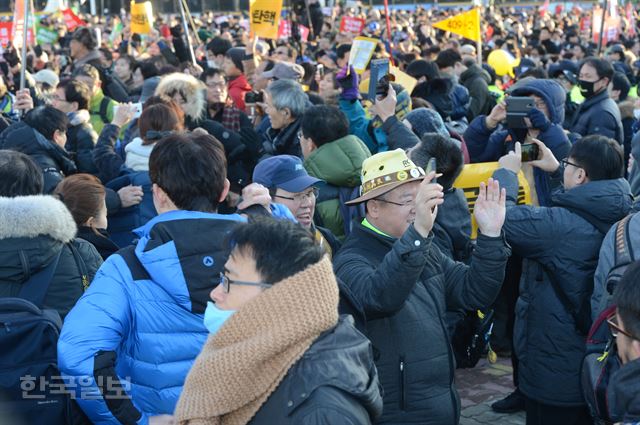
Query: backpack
(113, 87)
(601, 359)
(104, 107)
(31, 388)
(349, 213)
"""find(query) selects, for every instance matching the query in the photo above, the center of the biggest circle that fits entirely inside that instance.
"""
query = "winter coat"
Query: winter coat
(99, 120)
(628, 122)
(489, 145)
(315, 391)
(601, 298)
(599, 115)
(238, 88)
(625, 390)
(141, 323)
(477, 81)
(101, 241)
(108, 162)
(405, 285)
(561, 243)
(81, 139)
(338, 163)
(33, 230)
(460, 100)
(137, 155)
(54, 161)
(284, 141)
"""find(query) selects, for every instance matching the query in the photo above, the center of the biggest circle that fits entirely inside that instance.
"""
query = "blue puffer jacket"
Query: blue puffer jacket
(486, 145)
(140, 323)
(599, 115)
(122, 223)
(562, 241)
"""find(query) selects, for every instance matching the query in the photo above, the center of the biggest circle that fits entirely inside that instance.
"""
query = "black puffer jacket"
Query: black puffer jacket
(477, 81)
(33, 230)
(81, 139)
(599, 115)
(624, 389)
(405, 285)
(335, 382)
(54, 161)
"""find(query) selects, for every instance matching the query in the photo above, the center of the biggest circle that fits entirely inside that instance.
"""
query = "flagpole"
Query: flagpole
(388, 19)
(25, 29)
(186, 31)
(604, 16)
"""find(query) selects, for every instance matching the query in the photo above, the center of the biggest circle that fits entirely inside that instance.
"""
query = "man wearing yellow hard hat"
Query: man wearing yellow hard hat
(405, 284)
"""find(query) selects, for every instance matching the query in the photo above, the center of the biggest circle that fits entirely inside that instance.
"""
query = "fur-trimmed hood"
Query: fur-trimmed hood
(32, 216)
(190, 88)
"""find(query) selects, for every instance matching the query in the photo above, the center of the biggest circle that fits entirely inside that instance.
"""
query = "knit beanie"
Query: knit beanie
(424, 120)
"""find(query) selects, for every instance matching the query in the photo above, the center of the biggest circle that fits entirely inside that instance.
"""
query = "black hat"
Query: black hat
(236, 54)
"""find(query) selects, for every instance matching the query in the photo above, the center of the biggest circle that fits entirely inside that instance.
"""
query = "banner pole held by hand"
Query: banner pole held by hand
(23, 64)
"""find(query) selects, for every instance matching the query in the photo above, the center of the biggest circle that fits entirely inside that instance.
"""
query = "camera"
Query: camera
(517, 109)
(254, 97)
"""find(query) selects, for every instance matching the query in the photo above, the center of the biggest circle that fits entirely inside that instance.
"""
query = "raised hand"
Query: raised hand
(546, 160)
(513, 160)
(490, 208)
(429, 196)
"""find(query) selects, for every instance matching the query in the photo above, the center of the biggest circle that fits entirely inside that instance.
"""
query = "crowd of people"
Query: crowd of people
(228, 230)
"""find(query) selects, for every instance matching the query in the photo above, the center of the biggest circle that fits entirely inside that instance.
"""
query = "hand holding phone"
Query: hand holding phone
(530, 152)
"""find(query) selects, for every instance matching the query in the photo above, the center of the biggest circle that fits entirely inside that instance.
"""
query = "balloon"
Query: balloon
(502, 62)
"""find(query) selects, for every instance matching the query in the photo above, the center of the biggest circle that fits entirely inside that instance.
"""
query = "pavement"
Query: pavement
(482, 385)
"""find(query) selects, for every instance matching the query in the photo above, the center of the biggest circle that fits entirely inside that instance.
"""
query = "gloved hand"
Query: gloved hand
(538, 119)
(348, 80)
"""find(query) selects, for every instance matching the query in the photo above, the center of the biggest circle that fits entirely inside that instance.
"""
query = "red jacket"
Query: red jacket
(238, 87)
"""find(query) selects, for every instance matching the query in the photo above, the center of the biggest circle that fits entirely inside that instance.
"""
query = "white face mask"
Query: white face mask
(212, 64)
(636, 114)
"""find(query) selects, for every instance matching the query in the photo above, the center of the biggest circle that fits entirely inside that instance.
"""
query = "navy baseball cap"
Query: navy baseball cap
(284, 172)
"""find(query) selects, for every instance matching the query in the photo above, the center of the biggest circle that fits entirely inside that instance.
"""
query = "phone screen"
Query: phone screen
(530, 152)
(379, 69)
(431, 166)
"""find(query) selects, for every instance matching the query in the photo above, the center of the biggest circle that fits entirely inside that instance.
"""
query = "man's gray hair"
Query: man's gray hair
(288, 94)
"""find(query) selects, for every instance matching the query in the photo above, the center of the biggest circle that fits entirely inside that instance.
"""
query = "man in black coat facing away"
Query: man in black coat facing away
(405, 284)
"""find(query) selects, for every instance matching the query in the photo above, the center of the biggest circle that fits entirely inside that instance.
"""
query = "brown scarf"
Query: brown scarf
(245, 361)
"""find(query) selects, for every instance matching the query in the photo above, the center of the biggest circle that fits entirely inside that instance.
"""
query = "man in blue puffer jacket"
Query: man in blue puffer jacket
(129, 342)
(487, 141)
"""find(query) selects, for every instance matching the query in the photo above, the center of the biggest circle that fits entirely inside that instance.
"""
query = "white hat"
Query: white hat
(47, 76)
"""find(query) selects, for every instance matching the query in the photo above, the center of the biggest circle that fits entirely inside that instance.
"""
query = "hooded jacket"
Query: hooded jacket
(54, 161)
(477, 81)
(238, 88)
(599, 115)
(324, 395)
(487, 145)
(33, 230)
(141, 324)
(562, 241)
(405, 285)
(625, 387)
(81, 139)
(339, 164)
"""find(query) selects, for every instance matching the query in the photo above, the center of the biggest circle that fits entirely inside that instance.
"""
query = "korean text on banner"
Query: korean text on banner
(361, 51)
(466, 24)
(351, 25)
(18, 27)
(5, 33)
(265, 17)
(284, 30)
(71, 20)
(141, 17)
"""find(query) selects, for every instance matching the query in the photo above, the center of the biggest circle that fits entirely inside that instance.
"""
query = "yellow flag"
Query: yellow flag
(141, 17)
(265, 17)
(466, 24)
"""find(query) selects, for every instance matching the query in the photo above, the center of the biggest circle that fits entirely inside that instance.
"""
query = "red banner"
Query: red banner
(71, 20)
(17, 30)
(5, 33)
(352, 25)
(284, 30)
(630, 19)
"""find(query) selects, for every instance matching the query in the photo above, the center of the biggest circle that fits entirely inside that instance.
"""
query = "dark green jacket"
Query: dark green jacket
(338, 163)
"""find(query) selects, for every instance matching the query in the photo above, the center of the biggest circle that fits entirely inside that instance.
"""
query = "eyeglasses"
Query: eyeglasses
(566, 162)
(300, 197)
(226, 283)
(400, 204)
(612, 321)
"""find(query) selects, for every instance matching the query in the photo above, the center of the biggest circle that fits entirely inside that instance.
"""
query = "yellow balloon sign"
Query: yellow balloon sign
(466, 24)
(265, 17)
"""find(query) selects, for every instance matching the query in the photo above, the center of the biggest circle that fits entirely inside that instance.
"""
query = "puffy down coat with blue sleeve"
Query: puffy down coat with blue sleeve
(140, 324)
(487, 145)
